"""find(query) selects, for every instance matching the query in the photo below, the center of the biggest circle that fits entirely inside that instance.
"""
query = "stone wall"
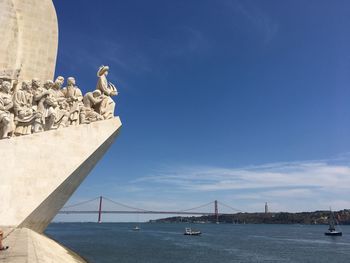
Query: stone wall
(29, 39)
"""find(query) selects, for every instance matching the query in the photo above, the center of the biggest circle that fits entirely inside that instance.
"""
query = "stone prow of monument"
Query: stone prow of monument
(39, 172)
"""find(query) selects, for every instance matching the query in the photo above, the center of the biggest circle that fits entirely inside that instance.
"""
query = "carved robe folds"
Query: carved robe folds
(6, 118)
(56, 112)
(75, 100)
(24, 112)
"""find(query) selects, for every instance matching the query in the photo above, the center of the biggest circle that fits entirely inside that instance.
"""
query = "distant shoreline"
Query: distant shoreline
(305, 218)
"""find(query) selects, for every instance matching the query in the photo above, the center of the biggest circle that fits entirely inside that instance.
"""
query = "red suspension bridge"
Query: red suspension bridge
(126, 209)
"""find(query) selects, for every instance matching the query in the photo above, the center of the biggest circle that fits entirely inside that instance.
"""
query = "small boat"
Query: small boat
(331, 229)
(191, 232)
(136, 228)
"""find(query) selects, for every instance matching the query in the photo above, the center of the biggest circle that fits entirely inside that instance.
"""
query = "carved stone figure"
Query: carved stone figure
(50, 104)
(107, 105)
(91, 101)
(39, 97)
(48, 84)
(6, 105)
(74, 98)
(57, 107)
(25, 113)
(58, 93)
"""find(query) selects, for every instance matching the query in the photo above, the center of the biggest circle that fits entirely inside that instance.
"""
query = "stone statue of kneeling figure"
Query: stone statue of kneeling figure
(91, 101)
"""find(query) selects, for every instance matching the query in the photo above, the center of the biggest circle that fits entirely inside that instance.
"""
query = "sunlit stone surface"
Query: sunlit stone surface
(29, 39)
(39, 172)
(29, 246)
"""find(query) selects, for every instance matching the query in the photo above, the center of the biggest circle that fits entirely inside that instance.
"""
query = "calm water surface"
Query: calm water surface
(159, 243)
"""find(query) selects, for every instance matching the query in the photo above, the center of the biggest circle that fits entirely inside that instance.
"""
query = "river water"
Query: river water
(165, 243)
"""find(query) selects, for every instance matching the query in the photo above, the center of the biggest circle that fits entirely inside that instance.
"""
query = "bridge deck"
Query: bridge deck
(136, 212)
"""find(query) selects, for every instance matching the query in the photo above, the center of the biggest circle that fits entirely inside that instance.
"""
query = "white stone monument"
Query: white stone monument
(51, 136)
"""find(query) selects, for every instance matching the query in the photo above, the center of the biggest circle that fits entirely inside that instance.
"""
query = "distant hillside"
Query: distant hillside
(317, 217)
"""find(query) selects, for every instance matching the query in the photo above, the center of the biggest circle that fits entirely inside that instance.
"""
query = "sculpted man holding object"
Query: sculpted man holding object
(107, 106)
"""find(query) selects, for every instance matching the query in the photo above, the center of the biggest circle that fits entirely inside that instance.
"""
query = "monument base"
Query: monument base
(39, 172)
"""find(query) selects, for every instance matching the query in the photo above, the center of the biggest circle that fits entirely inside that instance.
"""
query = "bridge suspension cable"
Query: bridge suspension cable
(81, 203)
(230, 207)
(194, 208)
(126, 206)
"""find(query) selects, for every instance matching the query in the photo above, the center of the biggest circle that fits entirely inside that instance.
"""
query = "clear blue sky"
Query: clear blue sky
(240, 101)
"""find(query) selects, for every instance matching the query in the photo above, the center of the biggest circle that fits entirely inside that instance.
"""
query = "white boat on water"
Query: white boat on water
(136, 228)
(331, 229)
(191, 232)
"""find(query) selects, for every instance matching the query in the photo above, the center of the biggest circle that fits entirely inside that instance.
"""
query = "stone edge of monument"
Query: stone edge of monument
(46, 185)
(26, 245)
(36, 221)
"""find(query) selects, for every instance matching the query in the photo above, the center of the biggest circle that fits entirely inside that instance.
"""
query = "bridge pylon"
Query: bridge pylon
(100, 211)
(216, 211)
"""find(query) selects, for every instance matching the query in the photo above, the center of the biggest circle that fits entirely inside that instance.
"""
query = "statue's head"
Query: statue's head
(36, 83)
(96, 93)
(48, 84)
(26, 85)
(6, 86)
(59, 81)
(103, 70)
(71, 81)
